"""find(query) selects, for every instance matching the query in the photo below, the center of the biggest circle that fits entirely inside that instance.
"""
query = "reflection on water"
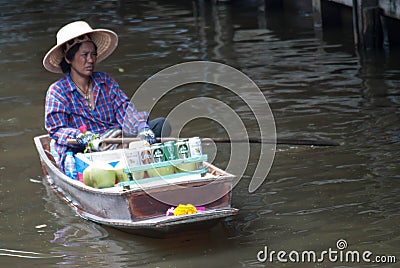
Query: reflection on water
(317, 88)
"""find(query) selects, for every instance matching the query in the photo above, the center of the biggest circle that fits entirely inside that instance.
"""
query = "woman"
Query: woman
(84, 97)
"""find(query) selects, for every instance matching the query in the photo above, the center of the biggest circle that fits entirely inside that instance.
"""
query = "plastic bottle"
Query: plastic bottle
(70, 167)
(53, 150)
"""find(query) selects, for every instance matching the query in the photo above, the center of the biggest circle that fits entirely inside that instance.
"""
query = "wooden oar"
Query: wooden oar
(227, 140)
(278, 141)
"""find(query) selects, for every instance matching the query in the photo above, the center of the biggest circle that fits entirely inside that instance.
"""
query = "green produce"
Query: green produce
(161, 171)
(122, 176)
(186, 167)
(137, 175)
(119, 172)
(87, 178)
(99, 175)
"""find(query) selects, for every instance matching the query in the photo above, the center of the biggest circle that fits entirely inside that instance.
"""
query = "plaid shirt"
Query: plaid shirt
(66, 109)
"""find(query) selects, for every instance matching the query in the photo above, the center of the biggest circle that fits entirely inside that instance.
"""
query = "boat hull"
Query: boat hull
(142, 210)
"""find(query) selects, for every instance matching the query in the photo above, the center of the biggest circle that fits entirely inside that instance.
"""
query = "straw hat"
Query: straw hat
(105, 40)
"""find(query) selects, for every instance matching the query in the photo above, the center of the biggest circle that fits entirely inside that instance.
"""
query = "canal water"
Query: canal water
(317, 86)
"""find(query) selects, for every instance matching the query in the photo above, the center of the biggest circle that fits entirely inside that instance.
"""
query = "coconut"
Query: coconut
(137, 175)
(186, 167)
(99, 175)
(122, 176)
(161, 171)
(119, 172)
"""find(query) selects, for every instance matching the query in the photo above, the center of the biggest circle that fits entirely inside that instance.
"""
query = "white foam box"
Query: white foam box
(112, 157)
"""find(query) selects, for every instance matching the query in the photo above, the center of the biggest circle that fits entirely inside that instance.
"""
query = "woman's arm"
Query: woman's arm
(57, 114)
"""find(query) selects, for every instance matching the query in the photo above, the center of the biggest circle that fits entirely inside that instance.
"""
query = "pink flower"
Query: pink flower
(82, 128)
(170, 211)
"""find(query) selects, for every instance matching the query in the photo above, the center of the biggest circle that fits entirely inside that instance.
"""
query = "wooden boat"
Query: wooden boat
(139, 209)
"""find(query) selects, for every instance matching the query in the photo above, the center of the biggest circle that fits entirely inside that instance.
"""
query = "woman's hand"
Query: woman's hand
(83, 139)
(147, 134)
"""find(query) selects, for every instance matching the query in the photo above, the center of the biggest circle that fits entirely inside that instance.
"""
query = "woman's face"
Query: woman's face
(84, 60)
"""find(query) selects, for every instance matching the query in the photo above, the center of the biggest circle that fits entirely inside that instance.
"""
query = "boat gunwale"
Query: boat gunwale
(81, 186)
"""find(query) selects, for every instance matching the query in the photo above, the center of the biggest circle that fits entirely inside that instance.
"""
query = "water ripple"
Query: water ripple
(318, 210)
(27, 254)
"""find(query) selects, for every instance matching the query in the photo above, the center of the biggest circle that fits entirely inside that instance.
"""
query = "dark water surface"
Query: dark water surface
(317, 87)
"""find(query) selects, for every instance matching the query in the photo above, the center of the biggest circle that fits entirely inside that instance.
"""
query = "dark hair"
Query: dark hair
(65, 66)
